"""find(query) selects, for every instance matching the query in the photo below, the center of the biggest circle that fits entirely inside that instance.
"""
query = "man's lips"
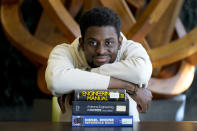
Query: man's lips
(101, 59)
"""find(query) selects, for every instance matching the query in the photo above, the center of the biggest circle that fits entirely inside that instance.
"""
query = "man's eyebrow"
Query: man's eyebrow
(90, 38)
(111, 38)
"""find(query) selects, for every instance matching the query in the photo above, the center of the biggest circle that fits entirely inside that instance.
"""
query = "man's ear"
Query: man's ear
(120, 42)
(81, 43)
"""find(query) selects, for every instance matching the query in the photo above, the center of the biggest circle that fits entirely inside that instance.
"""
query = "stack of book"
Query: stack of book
(101, 108)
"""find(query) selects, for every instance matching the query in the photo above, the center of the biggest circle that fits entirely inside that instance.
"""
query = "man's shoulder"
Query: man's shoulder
(131, 48)
(67, 47)
(62, 45)
(61, 50)
(129, 43)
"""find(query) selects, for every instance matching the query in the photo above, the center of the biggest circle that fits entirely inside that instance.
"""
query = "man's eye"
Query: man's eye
(108, 43)
(92, 43)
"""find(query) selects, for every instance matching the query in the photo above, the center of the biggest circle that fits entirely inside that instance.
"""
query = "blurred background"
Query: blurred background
(22, 100)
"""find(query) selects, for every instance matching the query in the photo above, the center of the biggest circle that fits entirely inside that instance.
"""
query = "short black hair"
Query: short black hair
(100, 16)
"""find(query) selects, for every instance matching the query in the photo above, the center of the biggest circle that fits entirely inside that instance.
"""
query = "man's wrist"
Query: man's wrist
(132, 91)
(130, 88)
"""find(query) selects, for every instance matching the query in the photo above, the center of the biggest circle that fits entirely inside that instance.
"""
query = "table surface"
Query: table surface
(61, 126)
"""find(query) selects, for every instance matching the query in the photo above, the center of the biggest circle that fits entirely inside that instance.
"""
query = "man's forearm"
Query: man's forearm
(133, 70)
(63, 81)
(120, 84)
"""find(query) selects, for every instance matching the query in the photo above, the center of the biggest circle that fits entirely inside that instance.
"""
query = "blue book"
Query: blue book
(92, 120)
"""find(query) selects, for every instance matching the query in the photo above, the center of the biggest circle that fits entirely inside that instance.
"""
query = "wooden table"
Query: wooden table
(141, 126)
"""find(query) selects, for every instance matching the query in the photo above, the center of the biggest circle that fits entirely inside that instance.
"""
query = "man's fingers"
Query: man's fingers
(142, 108)
(143, 99)
(61, 101)
(139, 108)
(61, 104)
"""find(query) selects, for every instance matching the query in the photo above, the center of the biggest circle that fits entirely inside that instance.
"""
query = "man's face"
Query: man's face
(100, 45)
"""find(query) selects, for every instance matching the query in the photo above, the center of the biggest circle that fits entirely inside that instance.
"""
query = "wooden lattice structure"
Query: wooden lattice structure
(156, 25)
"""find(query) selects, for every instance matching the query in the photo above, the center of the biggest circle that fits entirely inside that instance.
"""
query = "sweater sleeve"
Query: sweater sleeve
(62, 77)
(135, 65)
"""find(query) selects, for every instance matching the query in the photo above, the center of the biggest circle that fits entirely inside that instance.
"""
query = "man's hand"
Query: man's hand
(143, 99)
(61, 102)
(143, 96)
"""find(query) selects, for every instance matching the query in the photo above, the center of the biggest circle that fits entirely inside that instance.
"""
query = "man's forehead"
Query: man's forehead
(100, 32)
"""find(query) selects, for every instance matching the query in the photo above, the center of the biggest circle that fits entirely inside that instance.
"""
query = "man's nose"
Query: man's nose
(100, 50)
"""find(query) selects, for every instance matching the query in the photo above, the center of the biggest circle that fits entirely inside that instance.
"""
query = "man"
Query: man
(102, 58)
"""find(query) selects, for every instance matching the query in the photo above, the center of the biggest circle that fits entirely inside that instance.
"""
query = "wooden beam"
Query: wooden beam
(163, 29)
(20, 37)
(62, 18)
(148, 19)
(174, 51)
(169, 87)
(48, 32)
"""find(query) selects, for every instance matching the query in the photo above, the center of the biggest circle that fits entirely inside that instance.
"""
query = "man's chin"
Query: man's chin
(98, 64)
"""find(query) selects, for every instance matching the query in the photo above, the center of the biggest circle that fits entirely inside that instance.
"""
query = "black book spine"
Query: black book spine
(100, 107)
(100, 95)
